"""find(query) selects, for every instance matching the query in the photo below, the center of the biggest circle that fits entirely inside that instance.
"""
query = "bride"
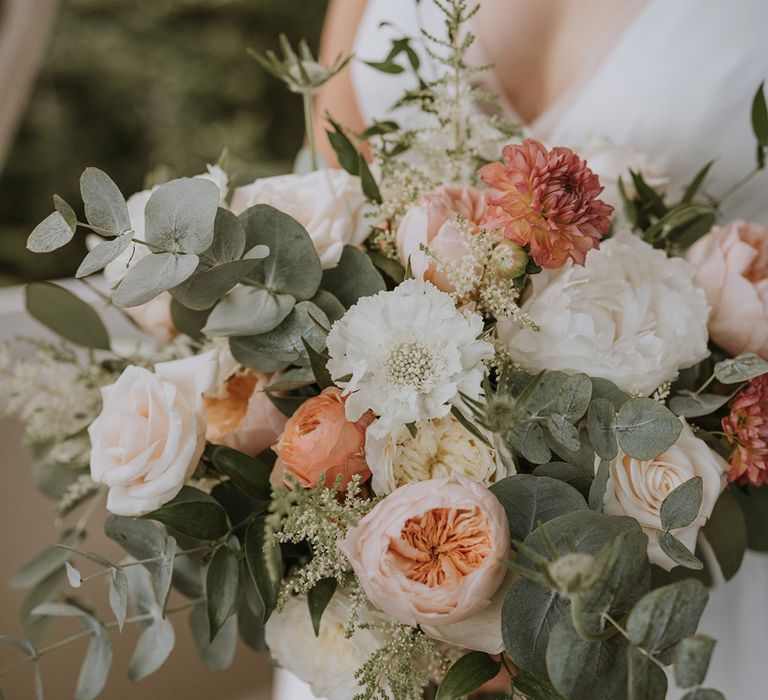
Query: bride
(668, 80)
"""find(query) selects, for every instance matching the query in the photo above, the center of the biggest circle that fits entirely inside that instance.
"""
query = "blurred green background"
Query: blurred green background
(148, 89)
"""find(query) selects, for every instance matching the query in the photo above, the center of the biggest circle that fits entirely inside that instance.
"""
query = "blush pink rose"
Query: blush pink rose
(318, 440)
(732, 268)
(428, 554)
(240, 415)
(432, 222)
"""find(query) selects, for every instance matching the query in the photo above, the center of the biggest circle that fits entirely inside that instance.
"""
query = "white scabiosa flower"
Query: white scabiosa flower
(327, 662)
(406, 355)
(440, 448)
(630, 315)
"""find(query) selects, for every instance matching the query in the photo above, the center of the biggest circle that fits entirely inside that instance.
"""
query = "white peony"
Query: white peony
(612, 161)
(631, 315)
(407, 355)
(441, 447)
(328, 203)
(638, 488)
(150, 434)
(327, 662)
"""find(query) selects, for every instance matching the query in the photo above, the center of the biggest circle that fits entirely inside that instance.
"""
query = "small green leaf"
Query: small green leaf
(249, 474)
(601, 427)
(46, 563)
(574, 397)
(221, 588)
(692, 189)
(740, 369)
(67, 315)
(646, 680)
(567, 473)
(599, 485)
(681, 507)
(529, 440)
(468, 673)
(103, 254)
(264, 564)
(344, 149)
(691, 405)
(646, 428)
(248, 311)
(73, 575)
(760, 116)
(318, 362)
(104, 204)
(118, 595)
(317, 600)
(153, 648)
(187, 321)
(367, 181)
(66, 211)
(51, 233)
(180, 216)
(691, 659)
(563, 431)
(203, 520)
(205, 287)
(726, 532)
(354, 277)
(153, 275)
(228, 238)
(220, 653)
(678, 552)
(704, 694)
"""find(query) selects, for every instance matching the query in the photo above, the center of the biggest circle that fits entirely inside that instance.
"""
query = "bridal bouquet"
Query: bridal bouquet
(467, 415)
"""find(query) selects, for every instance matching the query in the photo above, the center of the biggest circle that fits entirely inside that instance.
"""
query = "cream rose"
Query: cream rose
(150, 434)
(630, 315)
(440, 448)
(732, 268)
(329, 661)
(328, 203)
(428, 554)
(637, 489)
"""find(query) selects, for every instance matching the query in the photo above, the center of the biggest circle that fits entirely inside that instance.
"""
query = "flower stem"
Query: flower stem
(308, 127)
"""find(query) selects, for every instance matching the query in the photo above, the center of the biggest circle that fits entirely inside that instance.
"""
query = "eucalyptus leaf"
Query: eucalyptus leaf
(206, 286)
(530, 501)
(646, 680)
(665, 616)
(103, 254)
(221, 588)
(293, 266)
(582, 670)
(678, 552)
(317, 600)
(563, 431)
(118, 595)
(46, 563)
(469, 673)
(248, 311)
(681, 507)
(691, 660)
(726, 533)
(691, 405)
(740, 369)
(73, 575)
(153, 275)
(188, 321)
(567, 473)
(140, 538)
(574, 397)
(51, 233)
(240, 347)
(203, 520)
(66, 211)
(162, 571)
(330, 305)
(67, 315)
(601, 427)
(155, 645)
(228, 238)
(604, 389)
(29, 649)
(180, 214)
(704, 694)
(354, 276)
(599, 485)
(527, 438)
(646, 428)
(104, 204)
(220, 653)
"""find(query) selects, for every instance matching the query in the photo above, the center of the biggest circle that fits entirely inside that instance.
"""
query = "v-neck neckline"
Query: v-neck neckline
(544, 122)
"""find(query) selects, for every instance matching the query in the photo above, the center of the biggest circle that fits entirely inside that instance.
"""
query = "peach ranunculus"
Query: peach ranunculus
(428, 554)
(432, 222)
(747, 429)
(318, 440)
(547, 199)
(732, 268)
(149, 436)
(240, 414)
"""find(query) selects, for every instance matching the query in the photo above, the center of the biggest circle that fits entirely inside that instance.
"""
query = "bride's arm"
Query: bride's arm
(338, 95)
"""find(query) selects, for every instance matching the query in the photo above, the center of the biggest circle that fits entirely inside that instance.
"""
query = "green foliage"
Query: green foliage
(201, 519)
(740, 369)
(466, 675)
(355, 276)
(726, 533)
(248, 473)
(104, 204)
(691, 660)
(51, 233)
(264, 564)
(47, 562)
(681, 507)
(317, 600)
(221, 588)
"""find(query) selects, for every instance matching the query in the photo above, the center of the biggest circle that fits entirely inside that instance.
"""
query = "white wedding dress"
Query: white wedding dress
(675, 86)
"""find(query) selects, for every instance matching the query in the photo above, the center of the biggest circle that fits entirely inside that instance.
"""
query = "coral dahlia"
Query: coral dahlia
(747, 428)
(546, 199)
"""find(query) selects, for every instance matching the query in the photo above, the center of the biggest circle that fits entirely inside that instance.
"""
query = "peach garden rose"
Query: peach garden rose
(428, 554)
(318, 440)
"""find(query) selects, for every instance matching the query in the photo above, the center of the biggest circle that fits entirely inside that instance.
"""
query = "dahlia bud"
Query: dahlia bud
(572, 572)
(509, 260)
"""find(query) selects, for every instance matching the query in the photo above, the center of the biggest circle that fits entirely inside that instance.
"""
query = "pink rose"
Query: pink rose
(428, 554)
(732, 268)
(240, 414)
(154, 317)
(319, 440)
(432, 222)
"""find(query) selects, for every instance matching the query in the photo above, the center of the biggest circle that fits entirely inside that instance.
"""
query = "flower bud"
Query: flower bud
(572, 572)
(509, 260)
